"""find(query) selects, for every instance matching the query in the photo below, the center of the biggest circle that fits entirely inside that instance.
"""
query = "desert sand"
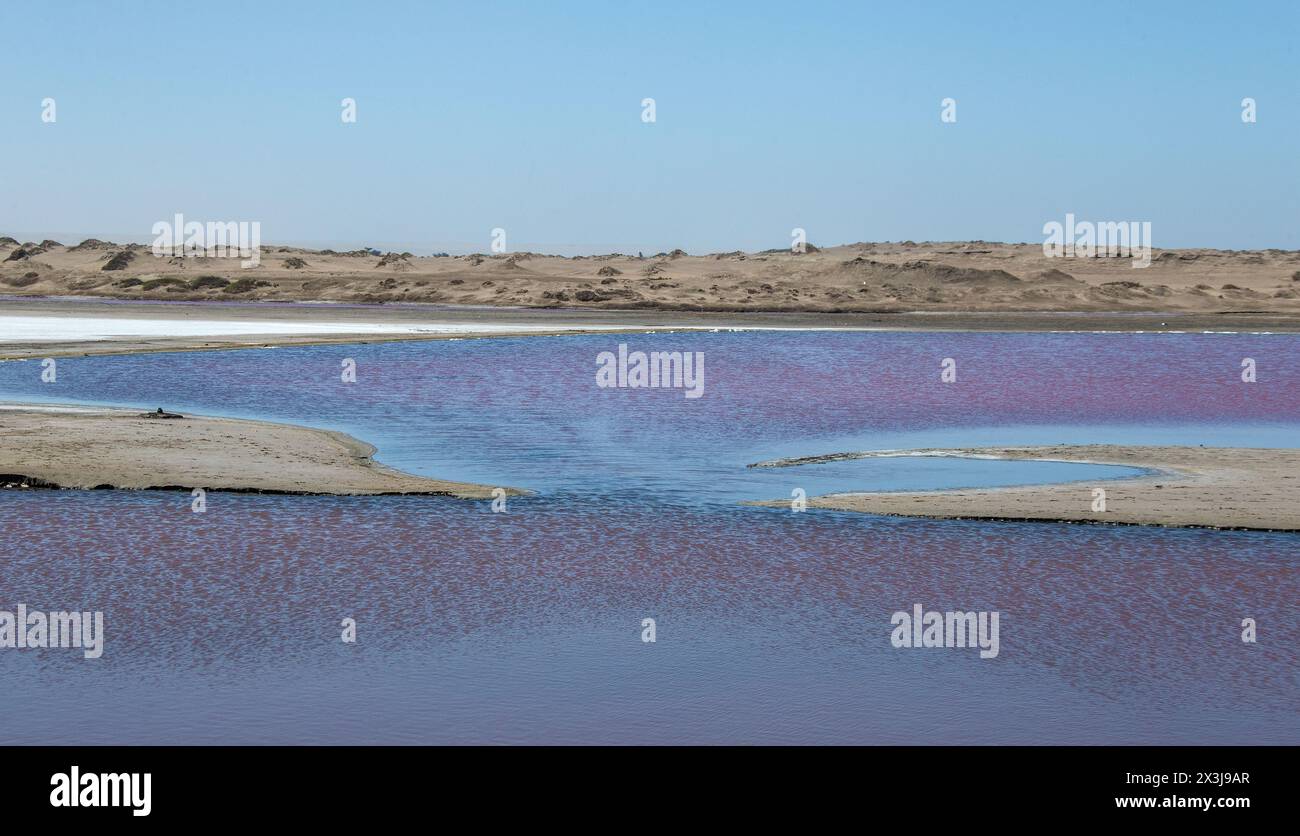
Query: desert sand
(968, 276)
(1209, 487)
(87, 447)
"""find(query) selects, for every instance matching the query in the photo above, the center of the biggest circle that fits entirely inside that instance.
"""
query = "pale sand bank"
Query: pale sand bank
(91, 329)
(60, 327)
(85, 447)
(1212, 487)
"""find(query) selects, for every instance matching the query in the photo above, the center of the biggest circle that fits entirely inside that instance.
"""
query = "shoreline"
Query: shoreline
(70, 447)
(1234, 488)
(91, 326)
(88, 326)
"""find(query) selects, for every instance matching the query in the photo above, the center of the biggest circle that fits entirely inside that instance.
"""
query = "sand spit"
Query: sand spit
(1195, 487)
(86, 447)
(77, 326)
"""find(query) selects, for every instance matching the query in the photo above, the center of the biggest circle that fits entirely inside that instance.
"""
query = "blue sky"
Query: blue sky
(823, 116)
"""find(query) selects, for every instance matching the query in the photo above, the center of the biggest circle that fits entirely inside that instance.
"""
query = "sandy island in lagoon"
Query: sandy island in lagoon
(92, 447)
(1211, 487)
(103, 298)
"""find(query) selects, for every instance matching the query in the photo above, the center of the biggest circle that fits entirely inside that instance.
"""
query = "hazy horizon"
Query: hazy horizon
(421, 250)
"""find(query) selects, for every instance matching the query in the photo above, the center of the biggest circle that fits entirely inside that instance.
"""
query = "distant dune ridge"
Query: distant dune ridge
(971, 276)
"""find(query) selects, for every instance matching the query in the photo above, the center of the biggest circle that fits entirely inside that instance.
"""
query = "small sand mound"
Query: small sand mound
(207, 282)
(948, 274)
(244, 285)
(609, 271)
(119, 261)
(1054, 276)
(93, 244)
(1126, 290)
(25, 280)
(928, 271)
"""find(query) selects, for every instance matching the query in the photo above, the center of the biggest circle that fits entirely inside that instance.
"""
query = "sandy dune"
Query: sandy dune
(865, 277)
(1215, 487)
(84, 447)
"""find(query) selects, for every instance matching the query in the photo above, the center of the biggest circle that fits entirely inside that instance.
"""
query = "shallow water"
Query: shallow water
(772, 626)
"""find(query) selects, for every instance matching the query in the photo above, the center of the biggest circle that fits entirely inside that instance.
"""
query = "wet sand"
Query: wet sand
(88, 447)
(1202, 487)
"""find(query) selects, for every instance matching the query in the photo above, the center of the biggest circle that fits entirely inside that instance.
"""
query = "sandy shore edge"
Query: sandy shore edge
(1182, 487)
(83, 447)
(482, 323)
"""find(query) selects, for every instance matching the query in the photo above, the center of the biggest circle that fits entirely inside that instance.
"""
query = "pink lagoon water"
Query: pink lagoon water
(772, 626)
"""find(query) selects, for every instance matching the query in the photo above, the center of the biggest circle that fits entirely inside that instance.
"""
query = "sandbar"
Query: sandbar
(92, 447)
(1195, 487)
